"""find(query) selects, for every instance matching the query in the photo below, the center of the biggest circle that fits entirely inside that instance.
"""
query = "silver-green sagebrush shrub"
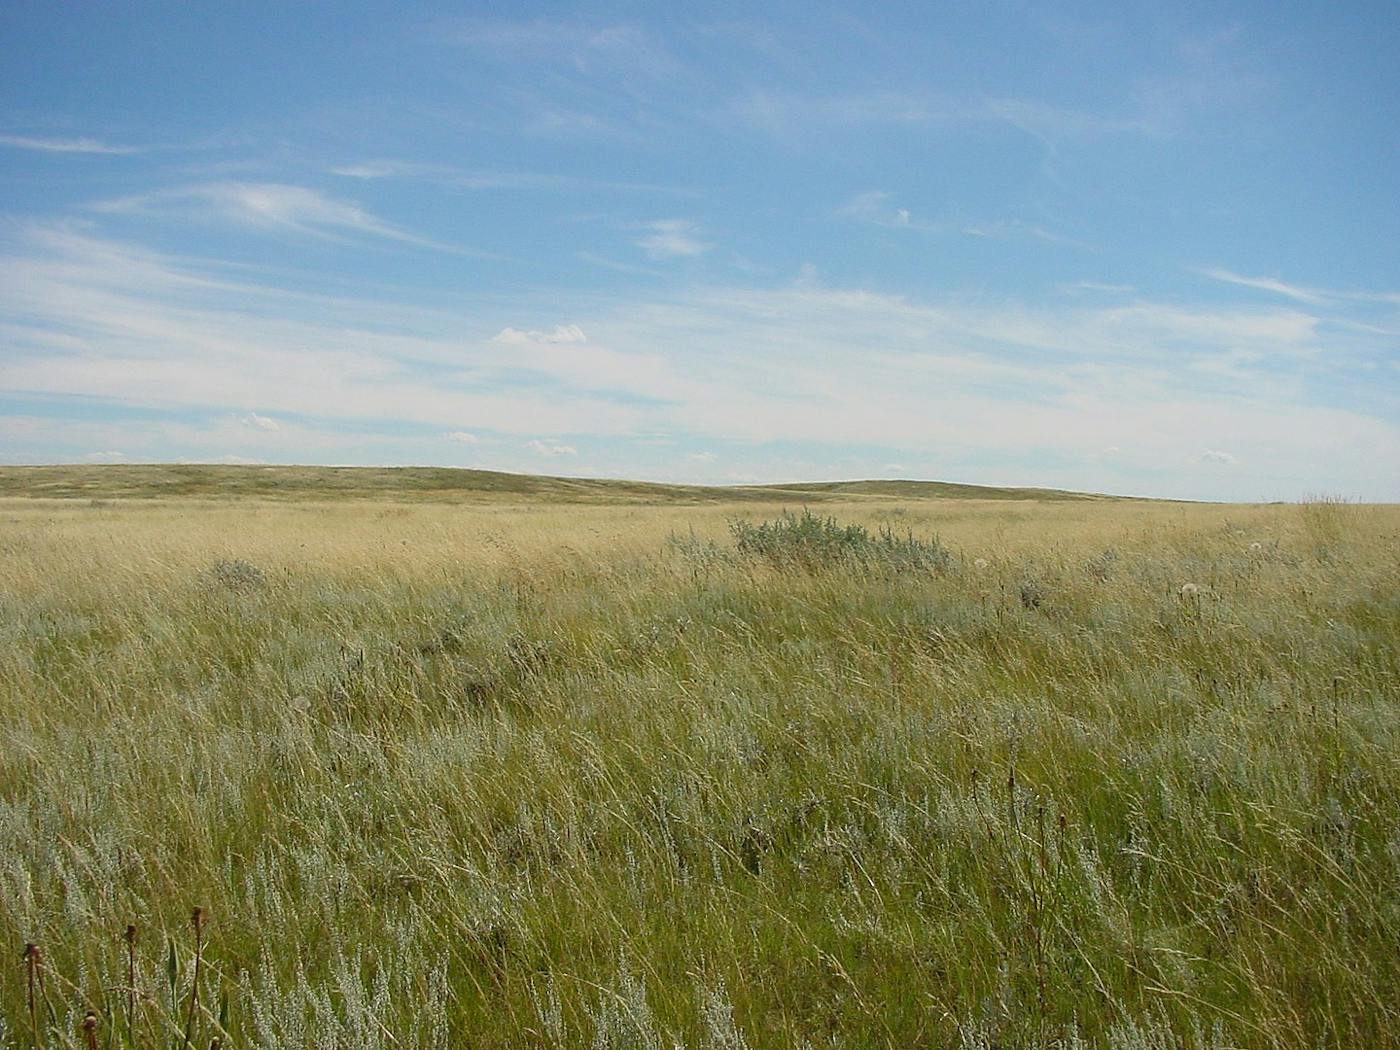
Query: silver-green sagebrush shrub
(811, 543)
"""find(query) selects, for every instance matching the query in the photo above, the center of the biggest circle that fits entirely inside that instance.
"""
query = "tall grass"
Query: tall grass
(527, 777)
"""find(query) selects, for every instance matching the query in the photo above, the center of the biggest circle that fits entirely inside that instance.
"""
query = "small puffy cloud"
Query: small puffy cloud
(462, 437)
(549, 448)
(257, 422)
(672, 239)
(1224, 459)
(560, 333)
(111, 456)
(702, 457)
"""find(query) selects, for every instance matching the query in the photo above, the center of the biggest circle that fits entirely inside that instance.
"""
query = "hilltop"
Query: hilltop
(449, 484)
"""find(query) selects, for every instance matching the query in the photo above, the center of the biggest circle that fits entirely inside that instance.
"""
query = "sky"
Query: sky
(1140, 248)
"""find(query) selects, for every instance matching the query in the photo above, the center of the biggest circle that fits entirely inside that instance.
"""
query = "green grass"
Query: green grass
(674, 794)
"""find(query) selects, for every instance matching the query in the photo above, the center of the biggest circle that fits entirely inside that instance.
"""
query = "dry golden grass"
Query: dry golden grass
(541, 774)
(78, 542)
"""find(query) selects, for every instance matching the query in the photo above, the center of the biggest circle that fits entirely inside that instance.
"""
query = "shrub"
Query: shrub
(812, 543)
(237, 574)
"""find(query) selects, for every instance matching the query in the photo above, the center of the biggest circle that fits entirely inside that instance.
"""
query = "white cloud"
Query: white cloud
(672, 239)
(786, 113)
(257, 422)
(863, 205)
(487, 179)
(1268, 284)
(377, 169)
(975, 381)
(1003, 229)
(873, 206)
(1224, 328)
(1312, 296)
(559, 334)
(1104, 287)
(268, 206)
(1224, 459)
(550, 448)
(461, 437)
(111, 456)
(594, 259)
(48, 145)
(619, 50)
(702, 457)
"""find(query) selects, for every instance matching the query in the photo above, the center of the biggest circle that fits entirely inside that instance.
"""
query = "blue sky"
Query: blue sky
(1136, 248)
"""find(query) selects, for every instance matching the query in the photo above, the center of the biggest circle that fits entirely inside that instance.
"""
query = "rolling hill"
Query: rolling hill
(447, 484)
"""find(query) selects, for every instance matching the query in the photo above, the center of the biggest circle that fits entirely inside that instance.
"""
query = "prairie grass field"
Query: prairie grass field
(661, 771)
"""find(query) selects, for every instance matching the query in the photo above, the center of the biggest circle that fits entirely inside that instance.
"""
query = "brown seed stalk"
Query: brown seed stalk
(31, 966)
(197, 919)
(131, 983)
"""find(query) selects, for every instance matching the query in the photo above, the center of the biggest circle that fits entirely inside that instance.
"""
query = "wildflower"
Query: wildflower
(980, 564)
(1255, 547)
(1190, 590)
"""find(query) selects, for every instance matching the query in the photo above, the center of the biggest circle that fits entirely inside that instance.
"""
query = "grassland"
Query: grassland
(447, 485)
(508, 771)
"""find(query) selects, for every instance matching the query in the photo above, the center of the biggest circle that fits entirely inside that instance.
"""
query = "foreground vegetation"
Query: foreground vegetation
(638, 776)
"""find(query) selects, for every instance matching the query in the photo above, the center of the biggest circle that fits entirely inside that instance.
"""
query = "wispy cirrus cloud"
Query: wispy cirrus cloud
(1299, 293)
(459, 178)
(672, 239)
(486, 179)
(830, 368)
(876, 208)
(786, 112)
(585, 49)
(270, 206)
(64, 145)
(873, 206)
(1267, 284)
(562, 333)
(550, 448)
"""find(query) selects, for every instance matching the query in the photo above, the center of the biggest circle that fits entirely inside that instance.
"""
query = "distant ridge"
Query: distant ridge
(449, 484)
(932, 490)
